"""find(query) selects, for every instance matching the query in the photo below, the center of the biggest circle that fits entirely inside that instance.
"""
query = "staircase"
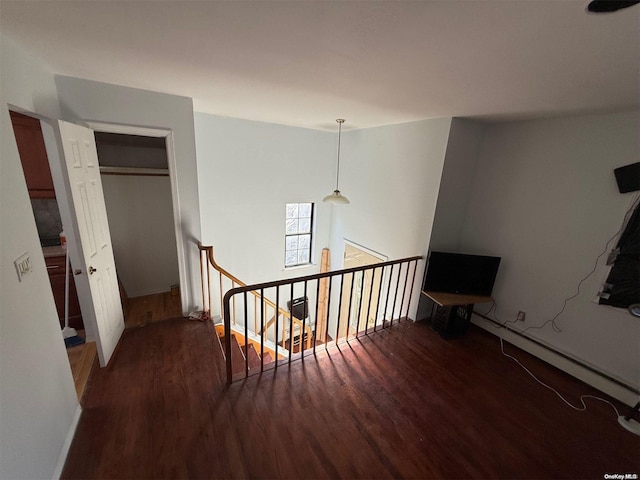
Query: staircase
(245, 354)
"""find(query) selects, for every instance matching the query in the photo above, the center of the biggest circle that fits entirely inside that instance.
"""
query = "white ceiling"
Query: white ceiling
(306, 63)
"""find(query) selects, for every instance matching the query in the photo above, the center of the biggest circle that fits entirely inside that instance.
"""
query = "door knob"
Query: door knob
(92, 270)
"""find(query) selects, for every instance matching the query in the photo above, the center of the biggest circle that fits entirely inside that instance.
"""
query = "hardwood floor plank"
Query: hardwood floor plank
(401, 403)
(82, 359)
(151, 308)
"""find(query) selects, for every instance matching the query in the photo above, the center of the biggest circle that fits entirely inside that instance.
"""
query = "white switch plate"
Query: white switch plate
(23, 265)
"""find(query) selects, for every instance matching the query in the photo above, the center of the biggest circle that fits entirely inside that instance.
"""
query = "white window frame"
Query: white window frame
(311, 234)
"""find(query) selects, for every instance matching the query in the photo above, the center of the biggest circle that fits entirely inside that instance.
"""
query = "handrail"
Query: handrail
(209, 250)
(243, 289)
(318, 276)
(281, 311)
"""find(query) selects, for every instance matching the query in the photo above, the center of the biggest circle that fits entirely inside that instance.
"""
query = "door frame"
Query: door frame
(54, 156)
(382, 258)
(373, 253)
(175, 198)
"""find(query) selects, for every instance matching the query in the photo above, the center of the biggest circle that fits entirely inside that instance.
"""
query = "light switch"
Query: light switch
(23, 265)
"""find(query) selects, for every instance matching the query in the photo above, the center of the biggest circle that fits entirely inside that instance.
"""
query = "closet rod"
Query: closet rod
(149, 172)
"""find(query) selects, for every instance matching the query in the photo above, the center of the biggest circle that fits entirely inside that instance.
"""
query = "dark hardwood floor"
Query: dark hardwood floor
(151, 308)
(402, 403)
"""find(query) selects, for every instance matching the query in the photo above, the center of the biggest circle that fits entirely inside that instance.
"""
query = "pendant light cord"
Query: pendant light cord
(340, 122)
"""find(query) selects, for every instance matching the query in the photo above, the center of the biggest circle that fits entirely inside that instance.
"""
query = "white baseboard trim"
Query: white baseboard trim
(576, 368)
(62, 458)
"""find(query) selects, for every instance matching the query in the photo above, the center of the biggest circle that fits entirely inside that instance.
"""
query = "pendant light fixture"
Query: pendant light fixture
(336, 197)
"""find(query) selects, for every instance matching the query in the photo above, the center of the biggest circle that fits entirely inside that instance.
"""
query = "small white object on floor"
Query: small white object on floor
(198, 315)
(631, 424)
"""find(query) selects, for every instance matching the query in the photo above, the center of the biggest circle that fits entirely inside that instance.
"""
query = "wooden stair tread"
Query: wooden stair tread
(237, 357)
(253, 357)
(239, 354)
(267, 358)
(220, 330)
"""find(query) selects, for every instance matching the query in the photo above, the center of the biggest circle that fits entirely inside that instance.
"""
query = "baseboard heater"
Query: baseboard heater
(563, 355)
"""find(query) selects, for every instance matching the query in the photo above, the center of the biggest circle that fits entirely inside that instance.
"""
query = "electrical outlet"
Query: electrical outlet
(520, 316)
(23, 265)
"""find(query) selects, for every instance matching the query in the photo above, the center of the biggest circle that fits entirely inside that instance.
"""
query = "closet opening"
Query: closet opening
(137, 188)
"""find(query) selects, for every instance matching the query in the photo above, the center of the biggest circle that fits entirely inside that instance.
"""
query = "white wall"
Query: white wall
(37, 396)
(465, 138)
(247, 172)
(94, 101)
(545, 199)
(391, 175)
(458, 174)
(140, 216)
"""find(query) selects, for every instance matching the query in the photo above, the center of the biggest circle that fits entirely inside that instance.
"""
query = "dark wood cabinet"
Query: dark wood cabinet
(33, 155)
(55, 268)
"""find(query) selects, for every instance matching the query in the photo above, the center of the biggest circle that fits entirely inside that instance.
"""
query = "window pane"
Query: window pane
(292, 210)
(304, 225)
(303, 256)
(292, 226)
(292, 242)
(304, 210)
(291, 258)
(298, 233)
(304, 241)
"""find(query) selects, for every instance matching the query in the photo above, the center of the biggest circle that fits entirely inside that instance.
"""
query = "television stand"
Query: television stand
(451, 312)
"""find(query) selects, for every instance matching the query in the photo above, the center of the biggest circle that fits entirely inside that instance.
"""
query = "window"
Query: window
(298, 234)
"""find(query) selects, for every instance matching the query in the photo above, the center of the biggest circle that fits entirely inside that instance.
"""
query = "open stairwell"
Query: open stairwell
(322, 310)
(244, 353)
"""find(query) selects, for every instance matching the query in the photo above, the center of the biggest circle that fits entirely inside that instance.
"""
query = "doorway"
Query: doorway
(361, 290)
(136, 182)
(81, 349)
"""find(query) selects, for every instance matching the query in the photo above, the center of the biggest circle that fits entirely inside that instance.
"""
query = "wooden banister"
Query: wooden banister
(235, 280)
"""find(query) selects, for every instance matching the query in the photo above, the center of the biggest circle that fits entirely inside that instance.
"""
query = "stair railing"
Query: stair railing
(371, 296)
(261, 303)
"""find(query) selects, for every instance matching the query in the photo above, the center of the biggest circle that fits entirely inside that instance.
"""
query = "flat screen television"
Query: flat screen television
(461, 273)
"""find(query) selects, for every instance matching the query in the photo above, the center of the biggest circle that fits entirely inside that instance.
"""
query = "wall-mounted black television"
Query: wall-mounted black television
(461, 273)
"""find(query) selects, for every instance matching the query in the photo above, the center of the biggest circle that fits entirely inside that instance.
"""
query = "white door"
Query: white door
(81, 159)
